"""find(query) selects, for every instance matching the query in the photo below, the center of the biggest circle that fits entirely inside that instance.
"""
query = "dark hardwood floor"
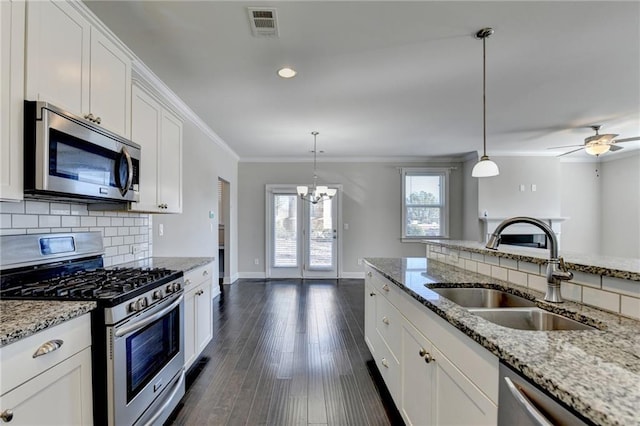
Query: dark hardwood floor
(286, 352)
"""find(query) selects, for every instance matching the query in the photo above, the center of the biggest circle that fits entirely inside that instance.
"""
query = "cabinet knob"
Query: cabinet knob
(89, 117)
(47, 347)
(428, 358)
(385, 320)
(385, 287)
(205, 273)
(199, 292)
(98, 120)
(369, 274)
(385, 363)
(422, 352)
(187, 281)
(6, 416)
(372, 294)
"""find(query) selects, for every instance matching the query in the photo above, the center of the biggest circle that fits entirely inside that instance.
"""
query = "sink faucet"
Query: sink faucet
(556, 270)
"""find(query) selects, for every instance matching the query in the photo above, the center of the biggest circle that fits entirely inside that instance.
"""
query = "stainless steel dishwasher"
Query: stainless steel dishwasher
(522, 403)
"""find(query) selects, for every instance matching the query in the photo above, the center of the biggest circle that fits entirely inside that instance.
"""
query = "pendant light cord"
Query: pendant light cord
(484, 97)
(315, 152)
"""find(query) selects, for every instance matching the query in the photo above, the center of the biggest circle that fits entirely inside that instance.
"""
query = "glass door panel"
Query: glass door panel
(285, 231)
(322, 236)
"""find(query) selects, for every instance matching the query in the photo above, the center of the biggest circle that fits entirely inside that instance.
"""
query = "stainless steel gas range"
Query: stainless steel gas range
(137, 329)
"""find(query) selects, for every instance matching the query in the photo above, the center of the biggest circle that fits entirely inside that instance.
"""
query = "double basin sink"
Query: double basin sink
(508, 310)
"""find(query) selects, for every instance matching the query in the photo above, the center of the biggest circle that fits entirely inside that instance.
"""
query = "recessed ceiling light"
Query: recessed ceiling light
(287, 72)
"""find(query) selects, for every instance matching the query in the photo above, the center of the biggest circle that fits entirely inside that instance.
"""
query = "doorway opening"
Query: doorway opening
(224, 213)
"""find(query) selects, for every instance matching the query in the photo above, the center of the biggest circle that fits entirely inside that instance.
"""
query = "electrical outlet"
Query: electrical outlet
(256, 261)
(521, 188)
(160, 229)
(534, 188)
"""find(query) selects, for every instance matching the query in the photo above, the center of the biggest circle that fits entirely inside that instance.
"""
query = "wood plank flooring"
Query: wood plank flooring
(287, 352)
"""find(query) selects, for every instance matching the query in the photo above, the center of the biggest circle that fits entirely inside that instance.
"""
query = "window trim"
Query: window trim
(443, 172)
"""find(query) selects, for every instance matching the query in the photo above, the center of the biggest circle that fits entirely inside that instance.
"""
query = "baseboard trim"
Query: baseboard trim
(357, 275)
(251, 275)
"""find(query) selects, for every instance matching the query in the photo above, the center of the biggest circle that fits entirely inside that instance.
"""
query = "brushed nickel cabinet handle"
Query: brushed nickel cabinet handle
(6, 416)
(428, 358)
(385, 363)
(48, 347)
(422, 352)
(385, 320)
(385, 287)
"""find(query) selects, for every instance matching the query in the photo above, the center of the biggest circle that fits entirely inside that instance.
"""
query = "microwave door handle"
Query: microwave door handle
(127, 157)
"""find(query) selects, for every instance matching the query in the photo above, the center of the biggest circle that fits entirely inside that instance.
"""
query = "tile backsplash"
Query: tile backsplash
(612, 294)
(126, 236)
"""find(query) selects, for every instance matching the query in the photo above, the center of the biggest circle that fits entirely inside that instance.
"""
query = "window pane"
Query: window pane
(285, 230)
(422, 189)
(423, 222)
(321, 237)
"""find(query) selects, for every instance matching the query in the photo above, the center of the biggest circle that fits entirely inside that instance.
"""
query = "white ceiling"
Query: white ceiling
(394, 79)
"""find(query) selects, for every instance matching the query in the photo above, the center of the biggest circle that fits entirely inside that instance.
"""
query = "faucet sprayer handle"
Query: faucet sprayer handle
(562, 273)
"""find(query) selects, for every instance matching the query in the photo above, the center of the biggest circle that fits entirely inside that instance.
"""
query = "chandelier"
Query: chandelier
(317, 192)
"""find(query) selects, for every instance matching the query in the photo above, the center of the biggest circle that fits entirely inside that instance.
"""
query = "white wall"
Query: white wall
(371, 205)
(581, 203)
(500, 195)
(193, 233)
(620, 225)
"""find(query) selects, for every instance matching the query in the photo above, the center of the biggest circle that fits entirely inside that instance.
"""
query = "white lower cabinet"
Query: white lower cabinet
(53, 388)
(198, 312)
(418, 350)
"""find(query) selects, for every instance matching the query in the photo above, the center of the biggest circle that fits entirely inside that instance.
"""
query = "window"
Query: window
(425, 212)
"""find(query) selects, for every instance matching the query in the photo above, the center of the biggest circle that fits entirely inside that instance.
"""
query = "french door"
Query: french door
(302, 238)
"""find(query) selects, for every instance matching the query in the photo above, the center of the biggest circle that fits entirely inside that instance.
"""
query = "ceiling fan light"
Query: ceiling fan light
(485, 168)
(597, 149)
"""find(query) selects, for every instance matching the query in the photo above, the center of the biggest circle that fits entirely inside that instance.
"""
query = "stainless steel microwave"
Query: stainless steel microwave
(67, 157)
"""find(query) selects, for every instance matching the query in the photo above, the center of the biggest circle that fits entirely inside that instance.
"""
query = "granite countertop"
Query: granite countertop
(618, 267)
(596, 372)
(22, 318)
(176, 263)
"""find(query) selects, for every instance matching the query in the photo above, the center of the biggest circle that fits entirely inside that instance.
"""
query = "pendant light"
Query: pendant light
(316, 193)
(485, 167)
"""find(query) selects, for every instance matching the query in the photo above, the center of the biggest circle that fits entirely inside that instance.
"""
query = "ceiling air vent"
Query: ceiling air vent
(263, 22)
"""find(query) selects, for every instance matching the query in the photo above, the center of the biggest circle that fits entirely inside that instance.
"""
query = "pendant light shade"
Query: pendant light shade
(316, 193)
(485, 167)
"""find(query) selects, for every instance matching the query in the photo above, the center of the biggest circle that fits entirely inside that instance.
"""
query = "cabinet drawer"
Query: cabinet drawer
(389, 326)
(389, 369)
(18, 364)
(198, 275)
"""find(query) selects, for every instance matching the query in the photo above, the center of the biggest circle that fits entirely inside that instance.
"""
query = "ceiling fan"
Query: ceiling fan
(598, 144)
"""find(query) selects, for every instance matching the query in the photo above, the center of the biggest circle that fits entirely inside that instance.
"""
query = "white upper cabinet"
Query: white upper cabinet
(73, 66)
(159, 133)
(12, 25)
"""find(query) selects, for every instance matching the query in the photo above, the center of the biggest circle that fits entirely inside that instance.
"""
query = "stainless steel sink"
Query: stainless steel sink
(482, 297)
(529, 319)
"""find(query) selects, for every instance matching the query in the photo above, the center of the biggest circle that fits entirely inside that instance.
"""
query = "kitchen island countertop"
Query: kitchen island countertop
(22, 318)
(596, 372)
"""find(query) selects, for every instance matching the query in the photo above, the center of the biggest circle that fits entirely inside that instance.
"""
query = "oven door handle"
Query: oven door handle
(140, 324)
(176, 388)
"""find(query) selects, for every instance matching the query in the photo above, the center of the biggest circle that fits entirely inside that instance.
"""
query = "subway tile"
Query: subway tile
(139, 221)
(630, 306)
(49, 221)
(58, 230)
(7, 207)
(508, 263)
(129, 239)
(88, 221)
(97, 229)
(123, 231)
(103, 221)
(107, 261)
(129, 221)
(117, 259)
(124, 249)
(571, 291)
(111, 251)
(60, 208)
(492, 260)
(96, 213)
(36, 207)
(532, 268)
(129, 258)
(106, 241)
(38, 230)
(465, 254)
(79, 209)
(5, 220)
(117, 221)
(110, 232)
(499, 273)
(584, 278)
(484, 269)
(117, 241)
(601, 299)
(617, 285)
(70, 221)
(517, 277)
(134, 230)
(13, 231)
(478, 257)
(24, 221)
(80, 229)
(537, 282)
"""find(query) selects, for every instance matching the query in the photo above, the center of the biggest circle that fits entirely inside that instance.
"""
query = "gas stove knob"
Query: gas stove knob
(143, 303)
(169, 288)
(177, 286)
(133, 307)
(157, 295)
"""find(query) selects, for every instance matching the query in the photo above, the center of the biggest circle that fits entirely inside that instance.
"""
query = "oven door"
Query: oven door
(146, 369)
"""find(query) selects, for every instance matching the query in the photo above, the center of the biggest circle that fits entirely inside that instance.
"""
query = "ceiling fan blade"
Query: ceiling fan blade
(569, 152)
(565, 146)
(613, 147)
(637, 138)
